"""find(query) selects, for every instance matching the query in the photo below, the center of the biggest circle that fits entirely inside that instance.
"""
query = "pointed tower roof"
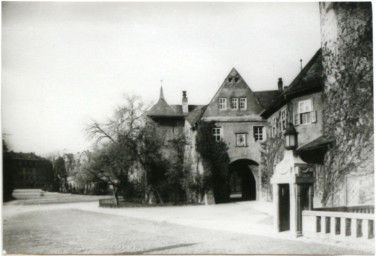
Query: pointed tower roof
(162, 109)
(161, 93)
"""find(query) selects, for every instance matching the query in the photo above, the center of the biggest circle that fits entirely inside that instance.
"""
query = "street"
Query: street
(84, 228)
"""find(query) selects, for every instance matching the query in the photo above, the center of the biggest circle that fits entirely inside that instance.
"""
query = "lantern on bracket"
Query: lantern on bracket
(290, 134)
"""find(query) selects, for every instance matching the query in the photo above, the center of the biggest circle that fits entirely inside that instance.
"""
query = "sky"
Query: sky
(66, 63)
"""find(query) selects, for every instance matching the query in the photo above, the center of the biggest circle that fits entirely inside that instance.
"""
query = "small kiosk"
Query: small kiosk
(292, 187)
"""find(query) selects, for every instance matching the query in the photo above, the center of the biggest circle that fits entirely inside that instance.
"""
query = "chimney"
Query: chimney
(280, 84)
(185, 102)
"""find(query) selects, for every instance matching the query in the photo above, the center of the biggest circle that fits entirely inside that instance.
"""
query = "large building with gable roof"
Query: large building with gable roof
(329, 104)
(252, 124)
(236, 110)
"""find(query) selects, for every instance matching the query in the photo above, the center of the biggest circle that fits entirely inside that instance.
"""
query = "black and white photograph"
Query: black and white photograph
(187, 128)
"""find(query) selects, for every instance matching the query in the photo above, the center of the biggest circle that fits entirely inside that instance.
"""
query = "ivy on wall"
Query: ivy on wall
(215, 161)
(348, 95)
(271, 153)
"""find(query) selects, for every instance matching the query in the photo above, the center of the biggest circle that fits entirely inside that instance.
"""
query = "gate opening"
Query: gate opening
(242, 183)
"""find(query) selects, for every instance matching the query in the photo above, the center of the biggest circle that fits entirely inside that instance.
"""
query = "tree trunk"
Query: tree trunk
(116, 195)
(66, 187)
(158, 196)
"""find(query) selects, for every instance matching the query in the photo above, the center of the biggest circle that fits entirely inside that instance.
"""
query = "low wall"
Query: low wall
(336, 225)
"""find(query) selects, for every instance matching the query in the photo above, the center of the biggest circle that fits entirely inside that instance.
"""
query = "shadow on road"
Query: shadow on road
(160, 249)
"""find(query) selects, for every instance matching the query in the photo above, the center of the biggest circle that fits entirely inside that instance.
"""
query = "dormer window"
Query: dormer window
(234, 103)
(222, 103)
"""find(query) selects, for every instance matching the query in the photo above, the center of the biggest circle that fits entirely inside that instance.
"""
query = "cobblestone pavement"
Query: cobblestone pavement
(71, 230)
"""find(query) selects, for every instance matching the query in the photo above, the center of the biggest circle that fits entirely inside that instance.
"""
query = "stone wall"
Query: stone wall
(192, 162)
(346, 39)
(252, 150)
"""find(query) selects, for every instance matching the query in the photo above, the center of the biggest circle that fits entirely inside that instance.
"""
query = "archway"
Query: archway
(242, 182)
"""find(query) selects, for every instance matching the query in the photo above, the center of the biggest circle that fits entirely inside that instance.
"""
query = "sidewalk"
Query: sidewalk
(241, 217)
(251, 218)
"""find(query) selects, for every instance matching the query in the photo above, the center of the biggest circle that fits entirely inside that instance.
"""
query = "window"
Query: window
(283, 120)
(217, 133)
(274, 127)
(305, 113)
(234, 103)
(241, 139)
(258, 133)
(222, 103)
(243, 103)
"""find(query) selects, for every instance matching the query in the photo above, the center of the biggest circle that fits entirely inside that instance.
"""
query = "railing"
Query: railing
(112, 203)
(135, 203)
(339, 225)
(354, 209)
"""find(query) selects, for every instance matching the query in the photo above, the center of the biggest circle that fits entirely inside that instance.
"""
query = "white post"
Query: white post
(365, 230)
(293, 216)
(259, 185)
(323, 224)
(275, 207)
(333, 226)
(353, 228)
(343, 227)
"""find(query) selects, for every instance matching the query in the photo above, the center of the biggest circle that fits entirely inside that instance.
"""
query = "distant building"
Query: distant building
(30, 170)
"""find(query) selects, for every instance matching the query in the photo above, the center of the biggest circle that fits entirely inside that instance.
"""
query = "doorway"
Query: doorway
(284, 207)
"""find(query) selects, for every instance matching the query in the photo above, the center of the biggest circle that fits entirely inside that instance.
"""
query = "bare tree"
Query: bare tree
(128, 143)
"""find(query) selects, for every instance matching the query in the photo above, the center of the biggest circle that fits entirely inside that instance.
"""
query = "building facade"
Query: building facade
(329, 103)
(30, 171)
(235, 109)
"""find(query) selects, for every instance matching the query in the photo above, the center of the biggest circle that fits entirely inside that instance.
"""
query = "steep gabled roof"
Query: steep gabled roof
(309, 80)
(195, 114)
(179, 108)
(310, 77)
(267, 98)
(234, 86)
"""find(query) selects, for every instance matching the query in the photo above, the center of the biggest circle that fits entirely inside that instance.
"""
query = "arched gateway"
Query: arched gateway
(242, 181)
